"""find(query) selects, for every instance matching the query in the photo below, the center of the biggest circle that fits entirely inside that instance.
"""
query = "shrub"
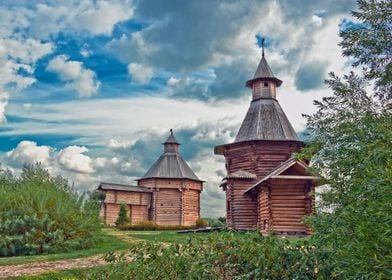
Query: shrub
(149, 225)
(201, 223)
(122, 218)
(216, 256)
(41, 214)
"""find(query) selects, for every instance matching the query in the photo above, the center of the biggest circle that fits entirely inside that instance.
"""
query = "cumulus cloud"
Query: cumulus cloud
(191, 37)
(140, 73)
(118, 145)
(17, 60)
(83, 80)
(94, 17)
(28, 152)
(74, 159)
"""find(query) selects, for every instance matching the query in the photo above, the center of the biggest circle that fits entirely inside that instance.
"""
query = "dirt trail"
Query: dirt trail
(37, 268)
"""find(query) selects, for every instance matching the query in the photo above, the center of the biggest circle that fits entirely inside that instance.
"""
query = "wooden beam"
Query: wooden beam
(294, 177)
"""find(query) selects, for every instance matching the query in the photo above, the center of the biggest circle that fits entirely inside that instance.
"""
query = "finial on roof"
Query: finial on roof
(262, 47)
(171, 131)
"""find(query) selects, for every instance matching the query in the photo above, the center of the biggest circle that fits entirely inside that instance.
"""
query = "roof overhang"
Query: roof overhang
(277, 81)
(122, 187)
(220, 150)
(277, 174)
(171, 178)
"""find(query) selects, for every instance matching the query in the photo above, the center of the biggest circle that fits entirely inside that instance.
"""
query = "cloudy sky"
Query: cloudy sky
(91, 88)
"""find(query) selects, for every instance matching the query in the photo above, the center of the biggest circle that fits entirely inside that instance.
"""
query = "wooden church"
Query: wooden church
(168, 194)
(266, 188)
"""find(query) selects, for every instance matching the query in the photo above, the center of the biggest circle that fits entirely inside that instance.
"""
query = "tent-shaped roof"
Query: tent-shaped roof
(265, 120)
(263, 72)
(171, 165)
(171, 139)
(297, 166)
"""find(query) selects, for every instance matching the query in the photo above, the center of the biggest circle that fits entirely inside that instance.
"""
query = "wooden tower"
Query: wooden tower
(265, 187)
(175, 188)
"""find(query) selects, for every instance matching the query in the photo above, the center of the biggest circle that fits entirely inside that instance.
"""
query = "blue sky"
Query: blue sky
(91, 88)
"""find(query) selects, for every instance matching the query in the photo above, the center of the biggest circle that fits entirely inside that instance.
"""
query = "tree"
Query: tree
(122, 216)
(351, 148)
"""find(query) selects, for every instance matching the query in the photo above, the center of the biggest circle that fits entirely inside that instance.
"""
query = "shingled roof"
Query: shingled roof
(265, 120)
(171, 165)
(263, 72)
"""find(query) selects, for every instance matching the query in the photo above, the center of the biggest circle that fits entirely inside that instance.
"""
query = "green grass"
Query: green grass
(163, 236)
(169, 236)
(108, 243)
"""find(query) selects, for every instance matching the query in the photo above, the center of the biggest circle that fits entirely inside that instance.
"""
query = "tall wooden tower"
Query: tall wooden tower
(265, 187)
(175, 187)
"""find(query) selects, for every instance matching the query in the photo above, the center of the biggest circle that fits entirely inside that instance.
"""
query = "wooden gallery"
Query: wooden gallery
(266, 188)
(168, 194)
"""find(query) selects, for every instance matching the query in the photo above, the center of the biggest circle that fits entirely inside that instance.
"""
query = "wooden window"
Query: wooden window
(265, 84)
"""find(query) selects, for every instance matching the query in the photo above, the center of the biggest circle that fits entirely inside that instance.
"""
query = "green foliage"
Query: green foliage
(369, 42)
(201, 223)
(41, 214)
(352, 136)
(105, 244)
(122, 218)
(149, 225)
(98, 195)
(215, 256)
(220, 222)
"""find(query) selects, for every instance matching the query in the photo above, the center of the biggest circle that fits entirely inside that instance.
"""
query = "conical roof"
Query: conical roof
(263, 72)
(170, 164)
(171, 139)
(265, 120)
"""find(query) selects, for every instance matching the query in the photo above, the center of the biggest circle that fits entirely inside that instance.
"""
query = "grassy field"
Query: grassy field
(107, 244)
(164, 236)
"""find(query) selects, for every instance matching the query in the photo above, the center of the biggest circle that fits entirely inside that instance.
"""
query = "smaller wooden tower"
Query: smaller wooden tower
(265, 187)
(176, 188)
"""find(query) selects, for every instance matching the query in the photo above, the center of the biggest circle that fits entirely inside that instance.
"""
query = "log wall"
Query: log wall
(259, 158)
(138, 204)
(174, 201)
(282, 204)
(138, 213)
(243, 207)
(190, 207)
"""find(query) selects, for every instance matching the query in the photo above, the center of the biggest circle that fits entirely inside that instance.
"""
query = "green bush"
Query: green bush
(149, 225)
(122, 218)
(215, 256)
(201, 223)
(41, 214)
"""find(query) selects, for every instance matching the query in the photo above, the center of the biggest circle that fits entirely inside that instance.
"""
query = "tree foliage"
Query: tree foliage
(122, 218)
(41, 214)
(351, 148)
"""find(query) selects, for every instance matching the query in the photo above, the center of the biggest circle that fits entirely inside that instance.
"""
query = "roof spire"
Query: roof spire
(262, 47)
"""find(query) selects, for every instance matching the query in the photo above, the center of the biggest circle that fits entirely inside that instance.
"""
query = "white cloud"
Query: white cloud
(94, 17)
(3, 103)
(72, 158)
(26, 51)
(83, 80)
(140, 73)
(17, 57)
(116, 144)
(29, 152)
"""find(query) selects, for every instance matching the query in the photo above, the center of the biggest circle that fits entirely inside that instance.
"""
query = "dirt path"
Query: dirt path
(37, 268)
